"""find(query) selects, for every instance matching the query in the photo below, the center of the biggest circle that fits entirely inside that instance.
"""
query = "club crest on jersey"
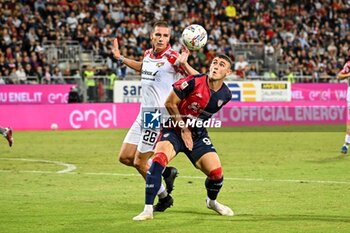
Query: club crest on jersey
(184, 85)
(159, 64)
(220, 102)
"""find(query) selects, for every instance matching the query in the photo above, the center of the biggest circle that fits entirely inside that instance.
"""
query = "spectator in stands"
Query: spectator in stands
(241, 67)
(323, 76)
(53, 64)
(11, 64)
(20, 74)
(86, 44)
(209, 55)
(231, 10)
(67, 70)
(107, 31)
(90, 82)
(290, 76)
(96, 47)
(211, 44)
(72, 21)
(270, 75)
(12, 76)
(57, 77)
(39, 5)
(269, 49)
(253, 72)
(100, 90)
(39, 73)
(29, 70)
(34, 63)
(47, 76)
(111, 79)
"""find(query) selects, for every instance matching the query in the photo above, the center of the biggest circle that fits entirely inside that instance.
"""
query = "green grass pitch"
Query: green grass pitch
(274, 182)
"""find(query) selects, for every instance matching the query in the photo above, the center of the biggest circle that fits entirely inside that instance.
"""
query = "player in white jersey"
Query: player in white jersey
(345, 74)
(159, 69)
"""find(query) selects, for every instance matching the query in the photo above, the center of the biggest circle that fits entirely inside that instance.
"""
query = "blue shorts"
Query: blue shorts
(201, 143)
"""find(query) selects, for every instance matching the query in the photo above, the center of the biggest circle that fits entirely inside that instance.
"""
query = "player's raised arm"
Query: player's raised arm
(171, 105)
(342, 76)
(345, 72)
(135, 65)
(182, 59)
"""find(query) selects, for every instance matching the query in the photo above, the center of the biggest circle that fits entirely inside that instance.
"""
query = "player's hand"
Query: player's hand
(115, 50)
(184, 55)
(187, 138)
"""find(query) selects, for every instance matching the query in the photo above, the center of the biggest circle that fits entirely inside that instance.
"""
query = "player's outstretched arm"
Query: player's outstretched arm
(135, 65)
(171, 105)
(182, 59)
(341, 76)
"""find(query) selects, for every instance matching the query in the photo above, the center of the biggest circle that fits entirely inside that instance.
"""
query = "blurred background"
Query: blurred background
(64, 41)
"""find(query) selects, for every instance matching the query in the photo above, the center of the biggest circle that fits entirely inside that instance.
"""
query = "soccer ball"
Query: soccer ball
(194, 37)
(54, 126)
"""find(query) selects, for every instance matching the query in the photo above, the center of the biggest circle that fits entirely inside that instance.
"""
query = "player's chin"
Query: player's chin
(211, 77)
(160, 47)
(215, 77)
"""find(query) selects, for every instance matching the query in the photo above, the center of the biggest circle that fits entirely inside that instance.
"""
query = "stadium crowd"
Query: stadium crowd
(309, 37)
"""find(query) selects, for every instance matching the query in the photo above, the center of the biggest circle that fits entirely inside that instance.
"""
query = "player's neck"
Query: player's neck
(215, 85)
(157, 51)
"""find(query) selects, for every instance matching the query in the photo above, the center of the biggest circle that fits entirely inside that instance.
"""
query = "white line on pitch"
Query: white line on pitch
(69, 167)
(184, 177)
(230, 178)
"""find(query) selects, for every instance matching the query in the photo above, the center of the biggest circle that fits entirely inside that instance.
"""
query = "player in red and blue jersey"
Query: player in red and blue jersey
(195, 97)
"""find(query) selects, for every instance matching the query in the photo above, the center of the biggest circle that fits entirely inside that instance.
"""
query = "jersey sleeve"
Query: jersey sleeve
(172, 58)
(228, 95)
(183, 87)
(180, 70)
(147, 52)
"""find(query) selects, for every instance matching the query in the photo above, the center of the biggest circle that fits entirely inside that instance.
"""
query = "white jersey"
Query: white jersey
(159, 72)
(345, 70)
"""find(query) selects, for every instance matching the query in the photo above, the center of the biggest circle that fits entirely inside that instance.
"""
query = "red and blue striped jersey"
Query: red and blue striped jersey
(197, 99)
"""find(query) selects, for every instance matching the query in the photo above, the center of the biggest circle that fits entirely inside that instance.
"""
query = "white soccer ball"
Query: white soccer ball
(194, 37)
(54, 126)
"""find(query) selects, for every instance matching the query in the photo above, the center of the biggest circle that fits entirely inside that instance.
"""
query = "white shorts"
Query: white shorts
(145, 139)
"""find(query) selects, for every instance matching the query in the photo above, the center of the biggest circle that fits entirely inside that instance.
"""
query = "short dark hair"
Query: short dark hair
(160, 24)
(225, 57)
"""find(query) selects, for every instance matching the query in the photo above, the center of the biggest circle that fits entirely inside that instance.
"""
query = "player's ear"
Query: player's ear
(228, 69)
